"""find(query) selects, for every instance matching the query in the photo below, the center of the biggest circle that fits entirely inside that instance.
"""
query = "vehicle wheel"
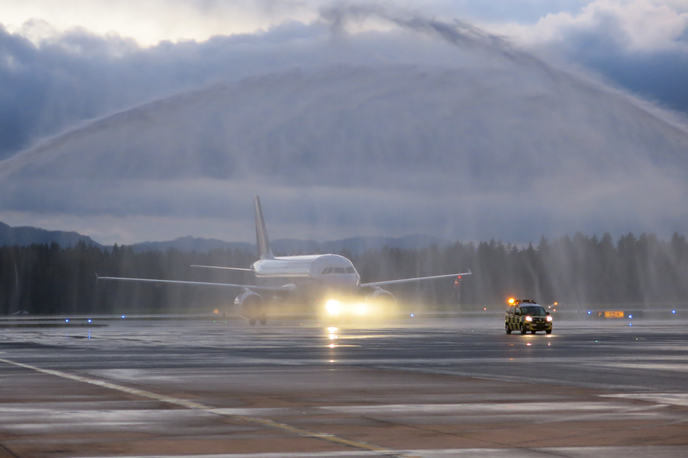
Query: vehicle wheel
(549, 331)
(523, 329)
(251, 322)
(507, 328)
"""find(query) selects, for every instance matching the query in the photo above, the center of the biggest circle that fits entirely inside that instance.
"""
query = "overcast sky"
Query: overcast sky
(63, 64)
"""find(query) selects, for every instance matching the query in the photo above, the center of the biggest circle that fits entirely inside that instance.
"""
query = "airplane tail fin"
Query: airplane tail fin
(264, 250)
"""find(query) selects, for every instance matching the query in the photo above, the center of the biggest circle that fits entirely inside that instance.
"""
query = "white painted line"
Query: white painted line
(203, 408)
(677, 399)
(665, 451)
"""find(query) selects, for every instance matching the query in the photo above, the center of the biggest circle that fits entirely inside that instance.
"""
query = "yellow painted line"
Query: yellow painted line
(201, 407)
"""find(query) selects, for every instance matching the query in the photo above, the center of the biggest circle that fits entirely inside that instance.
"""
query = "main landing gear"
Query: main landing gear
(263, 319)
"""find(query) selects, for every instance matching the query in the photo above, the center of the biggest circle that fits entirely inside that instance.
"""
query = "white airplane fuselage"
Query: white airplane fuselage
(313, 274)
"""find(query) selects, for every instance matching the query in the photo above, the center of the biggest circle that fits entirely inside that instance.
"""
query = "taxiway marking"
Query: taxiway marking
(214, 411)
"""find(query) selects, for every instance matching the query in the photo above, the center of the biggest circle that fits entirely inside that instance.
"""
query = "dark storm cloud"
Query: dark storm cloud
(659, 75)
(604, 44)
(76, 76)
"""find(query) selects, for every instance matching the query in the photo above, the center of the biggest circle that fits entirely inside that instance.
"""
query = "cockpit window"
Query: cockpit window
(328, 270)
(350, 270)
(339, 270)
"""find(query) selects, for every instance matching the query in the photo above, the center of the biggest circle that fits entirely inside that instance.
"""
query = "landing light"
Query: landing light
(361, 309)
(333, 307)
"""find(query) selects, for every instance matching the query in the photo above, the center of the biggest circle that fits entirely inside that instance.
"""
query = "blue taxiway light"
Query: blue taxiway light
(630, 316)
(589, 312)
(673, 311)
(412, 315)
(66, 321)
(89, 320)
(122, 316)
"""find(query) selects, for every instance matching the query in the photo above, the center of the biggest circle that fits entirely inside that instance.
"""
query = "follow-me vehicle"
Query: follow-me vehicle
(526, 315)
(327, 279)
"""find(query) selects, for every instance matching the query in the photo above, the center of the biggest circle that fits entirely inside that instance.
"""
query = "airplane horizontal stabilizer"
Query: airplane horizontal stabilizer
(239, 269)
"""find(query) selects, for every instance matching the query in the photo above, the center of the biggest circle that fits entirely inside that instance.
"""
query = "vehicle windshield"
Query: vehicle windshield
(533, 311)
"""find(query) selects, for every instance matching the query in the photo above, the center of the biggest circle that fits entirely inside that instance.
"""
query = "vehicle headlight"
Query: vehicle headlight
(549, 318)
(529, 319)
(333, 307)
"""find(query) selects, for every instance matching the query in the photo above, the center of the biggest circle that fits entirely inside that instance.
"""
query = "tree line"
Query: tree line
(579, 271)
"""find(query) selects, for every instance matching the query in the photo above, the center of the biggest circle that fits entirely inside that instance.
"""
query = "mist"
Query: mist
(344, 129)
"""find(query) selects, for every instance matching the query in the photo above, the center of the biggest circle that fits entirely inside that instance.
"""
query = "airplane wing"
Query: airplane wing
(240, 269)
(200, 283)
(408, 280)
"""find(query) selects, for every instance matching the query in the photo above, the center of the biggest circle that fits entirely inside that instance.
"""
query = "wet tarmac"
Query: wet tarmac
(422, 388)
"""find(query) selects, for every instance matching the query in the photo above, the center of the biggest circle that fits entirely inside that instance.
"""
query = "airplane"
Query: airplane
(327, 278)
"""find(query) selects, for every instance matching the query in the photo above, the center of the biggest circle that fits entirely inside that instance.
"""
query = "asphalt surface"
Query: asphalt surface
(430, 388)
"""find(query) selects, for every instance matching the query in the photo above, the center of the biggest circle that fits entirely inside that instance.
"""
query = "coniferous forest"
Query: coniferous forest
(578, 271)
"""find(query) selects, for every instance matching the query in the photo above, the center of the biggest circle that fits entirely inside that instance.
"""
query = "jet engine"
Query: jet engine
(381, 300)
(252, 307)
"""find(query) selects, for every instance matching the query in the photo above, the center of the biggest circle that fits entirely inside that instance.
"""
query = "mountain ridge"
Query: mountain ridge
(28, 235)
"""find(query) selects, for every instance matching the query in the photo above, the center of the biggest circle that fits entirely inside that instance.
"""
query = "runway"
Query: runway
(422, 388)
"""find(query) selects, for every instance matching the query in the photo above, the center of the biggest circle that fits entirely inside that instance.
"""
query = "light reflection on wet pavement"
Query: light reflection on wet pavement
(422, 388)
